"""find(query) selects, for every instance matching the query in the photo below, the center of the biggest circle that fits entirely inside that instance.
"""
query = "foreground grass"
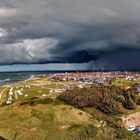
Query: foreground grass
(40, 119)
(46, 119)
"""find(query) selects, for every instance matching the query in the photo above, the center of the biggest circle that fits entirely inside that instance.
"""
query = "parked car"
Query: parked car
(131, 128)
(137, 132)
(134, 130)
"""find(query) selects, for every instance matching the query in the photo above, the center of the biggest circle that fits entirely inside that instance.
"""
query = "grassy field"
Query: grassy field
(37, 117)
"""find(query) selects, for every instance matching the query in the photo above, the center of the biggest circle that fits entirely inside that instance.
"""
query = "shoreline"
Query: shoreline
(28, 79)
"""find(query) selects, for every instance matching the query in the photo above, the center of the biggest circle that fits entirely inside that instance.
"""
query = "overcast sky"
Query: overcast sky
(80, 34)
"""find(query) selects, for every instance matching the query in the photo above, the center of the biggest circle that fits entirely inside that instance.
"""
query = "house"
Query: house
(130, 78)
(127, 87)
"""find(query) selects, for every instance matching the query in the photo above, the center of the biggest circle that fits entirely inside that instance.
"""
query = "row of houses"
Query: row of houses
(10, 96)
(83, 77)
(94, 77)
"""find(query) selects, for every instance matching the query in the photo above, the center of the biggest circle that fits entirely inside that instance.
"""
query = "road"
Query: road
(3, 91)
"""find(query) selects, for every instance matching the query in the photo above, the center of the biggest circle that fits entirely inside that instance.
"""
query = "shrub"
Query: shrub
(109, 99)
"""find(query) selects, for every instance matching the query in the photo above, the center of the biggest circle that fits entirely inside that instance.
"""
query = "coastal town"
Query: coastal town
(77, 80)
(95, 77)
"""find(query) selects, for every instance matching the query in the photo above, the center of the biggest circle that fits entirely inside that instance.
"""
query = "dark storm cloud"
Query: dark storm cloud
(102, 32)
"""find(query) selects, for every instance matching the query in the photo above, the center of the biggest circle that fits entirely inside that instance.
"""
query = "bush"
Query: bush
(109, 99)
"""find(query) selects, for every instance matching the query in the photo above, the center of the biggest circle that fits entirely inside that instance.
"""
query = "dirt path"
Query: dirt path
(3, 92)
(133, 119)
(16, 96)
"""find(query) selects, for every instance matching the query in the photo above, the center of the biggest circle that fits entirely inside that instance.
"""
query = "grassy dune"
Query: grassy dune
(40, 120)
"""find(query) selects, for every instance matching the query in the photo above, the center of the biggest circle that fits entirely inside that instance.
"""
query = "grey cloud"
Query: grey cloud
(84, 31)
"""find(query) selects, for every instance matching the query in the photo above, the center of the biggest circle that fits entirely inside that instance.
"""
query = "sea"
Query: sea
(14, 77)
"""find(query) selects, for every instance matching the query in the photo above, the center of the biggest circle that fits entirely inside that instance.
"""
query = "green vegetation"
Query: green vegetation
(109, 99)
